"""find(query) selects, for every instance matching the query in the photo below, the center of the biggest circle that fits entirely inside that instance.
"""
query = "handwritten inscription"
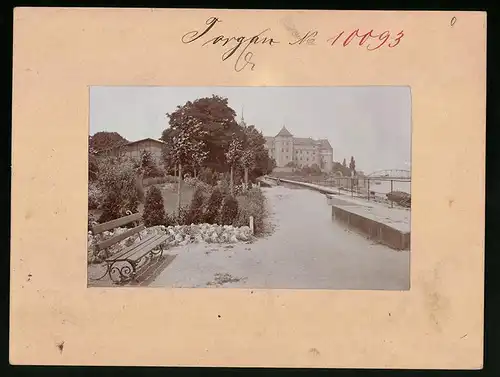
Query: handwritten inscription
(309, 38)
(240, 48)
(368, 39)
(236, 45)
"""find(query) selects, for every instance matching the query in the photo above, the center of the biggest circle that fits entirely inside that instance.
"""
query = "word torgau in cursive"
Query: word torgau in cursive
(236, 45)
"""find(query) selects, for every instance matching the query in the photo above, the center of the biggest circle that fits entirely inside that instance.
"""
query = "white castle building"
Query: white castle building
(287, 149)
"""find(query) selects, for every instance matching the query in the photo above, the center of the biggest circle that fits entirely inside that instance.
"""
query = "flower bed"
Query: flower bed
(179, 235)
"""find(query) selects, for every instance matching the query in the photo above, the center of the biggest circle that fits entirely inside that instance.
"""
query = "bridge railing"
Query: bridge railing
(369, 188)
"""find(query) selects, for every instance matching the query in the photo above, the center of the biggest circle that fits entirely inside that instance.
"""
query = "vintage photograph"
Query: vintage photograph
(249, 187)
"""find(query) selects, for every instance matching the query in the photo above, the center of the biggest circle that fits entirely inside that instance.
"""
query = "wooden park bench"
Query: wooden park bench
(130, 257)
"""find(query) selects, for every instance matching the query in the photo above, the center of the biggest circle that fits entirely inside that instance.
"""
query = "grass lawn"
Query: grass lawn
(170, 197)
(169, 193)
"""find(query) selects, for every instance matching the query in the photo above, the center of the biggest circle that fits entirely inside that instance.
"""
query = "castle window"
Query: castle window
(282, 149)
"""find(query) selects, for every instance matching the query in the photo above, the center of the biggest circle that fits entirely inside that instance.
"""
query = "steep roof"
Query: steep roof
(147, 139)
(284, 132)
(160, 142)
(303, 141)
(325, 144)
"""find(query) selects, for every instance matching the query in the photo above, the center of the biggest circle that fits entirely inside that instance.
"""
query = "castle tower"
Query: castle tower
(283, 147)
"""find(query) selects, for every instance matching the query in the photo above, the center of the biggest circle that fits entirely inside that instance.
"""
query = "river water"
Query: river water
(384, 187)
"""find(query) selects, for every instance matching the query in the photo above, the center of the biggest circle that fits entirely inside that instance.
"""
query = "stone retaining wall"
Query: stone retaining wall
(374, 230)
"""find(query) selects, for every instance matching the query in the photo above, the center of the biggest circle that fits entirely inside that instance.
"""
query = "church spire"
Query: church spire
(242, 121)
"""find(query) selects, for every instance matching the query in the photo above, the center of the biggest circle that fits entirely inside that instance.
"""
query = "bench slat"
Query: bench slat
(109, 242)
(133, 247)
(99, 228)
(138, 254)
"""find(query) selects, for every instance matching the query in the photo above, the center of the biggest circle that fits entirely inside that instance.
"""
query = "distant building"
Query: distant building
(135, 148)
(286, 149)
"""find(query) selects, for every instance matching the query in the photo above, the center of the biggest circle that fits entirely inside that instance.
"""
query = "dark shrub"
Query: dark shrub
(179, 217)
(229, 210)
(95, 196)
(154, 209)
(93, 168)
(117, 182)
(195, 212)
(252, 203)
(111, 207)
(213, 206)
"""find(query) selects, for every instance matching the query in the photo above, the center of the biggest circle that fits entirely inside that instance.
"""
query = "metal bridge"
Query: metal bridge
(391, 174)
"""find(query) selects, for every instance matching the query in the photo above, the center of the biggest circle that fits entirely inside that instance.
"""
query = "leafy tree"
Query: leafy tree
(187, 142)
(352, 165)
(233, 155)
(217, 120)
(154, 208)
(104, 140)
(248, 162)
(167, 158)
(199, 156)
(253, 145)
(261, 163)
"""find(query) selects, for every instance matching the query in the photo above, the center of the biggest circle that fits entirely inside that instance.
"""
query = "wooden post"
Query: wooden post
(391, 192)
(179, 190)
(251, 225)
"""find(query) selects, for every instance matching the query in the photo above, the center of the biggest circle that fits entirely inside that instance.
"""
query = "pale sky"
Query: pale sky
(372, 123)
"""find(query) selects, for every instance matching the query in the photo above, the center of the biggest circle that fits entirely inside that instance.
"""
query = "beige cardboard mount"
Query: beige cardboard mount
(56, 320)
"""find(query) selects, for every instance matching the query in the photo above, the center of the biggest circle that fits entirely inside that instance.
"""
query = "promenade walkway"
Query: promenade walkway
(307, 250)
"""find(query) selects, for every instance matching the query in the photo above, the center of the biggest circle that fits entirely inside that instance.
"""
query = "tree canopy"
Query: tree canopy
(212, 130)
(104, 140)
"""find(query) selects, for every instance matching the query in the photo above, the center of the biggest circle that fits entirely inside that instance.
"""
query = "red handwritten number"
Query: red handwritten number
(382, 38)
(366, 36)
(397, 39)
(350, 37)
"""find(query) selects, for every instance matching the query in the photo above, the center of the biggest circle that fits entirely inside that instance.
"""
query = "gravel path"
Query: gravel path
(306, 250)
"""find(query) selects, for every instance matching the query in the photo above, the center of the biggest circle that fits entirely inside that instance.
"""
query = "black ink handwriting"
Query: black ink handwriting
(236, 45)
